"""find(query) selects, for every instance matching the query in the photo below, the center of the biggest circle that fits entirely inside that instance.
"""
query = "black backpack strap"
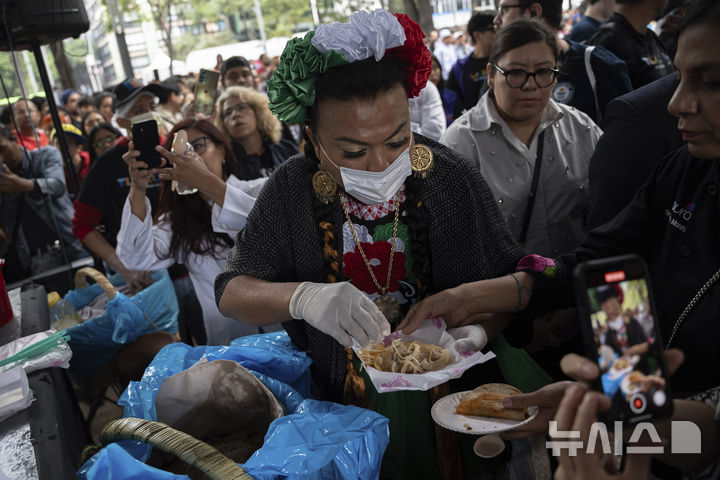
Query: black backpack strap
(533, 188)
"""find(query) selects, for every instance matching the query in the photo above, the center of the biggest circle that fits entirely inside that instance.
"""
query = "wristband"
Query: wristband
(520, 287)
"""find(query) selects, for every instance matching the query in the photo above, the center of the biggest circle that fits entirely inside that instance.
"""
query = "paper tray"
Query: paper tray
(433, 331)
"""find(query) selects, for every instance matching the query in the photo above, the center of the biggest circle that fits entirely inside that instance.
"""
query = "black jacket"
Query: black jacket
(103, 192)
(250, 167)
(637, 132)
(644, 54)
(672, 222)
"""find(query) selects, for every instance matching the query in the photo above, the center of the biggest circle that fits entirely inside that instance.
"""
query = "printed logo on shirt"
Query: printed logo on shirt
(480, 76)
(678, 216)
(656, 61)
(563, 92)
(153, 182)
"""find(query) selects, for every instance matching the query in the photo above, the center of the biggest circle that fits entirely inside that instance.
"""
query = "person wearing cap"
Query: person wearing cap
(170, 103)
(98, 207)
(80, 158)
(461, 47)
(69, 99)
(26, 116)
(445, 51)
(236, 72)
(34, 202)
(468, 77)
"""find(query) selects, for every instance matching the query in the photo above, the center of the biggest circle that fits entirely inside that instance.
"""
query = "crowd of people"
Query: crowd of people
(371, 178)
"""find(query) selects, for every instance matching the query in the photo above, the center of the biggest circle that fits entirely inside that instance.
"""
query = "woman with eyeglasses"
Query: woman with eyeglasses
(101, 138)
(194, 230)
(243, 116)
(533, 152)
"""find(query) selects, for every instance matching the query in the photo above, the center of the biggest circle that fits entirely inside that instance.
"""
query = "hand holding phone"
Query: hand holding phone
(206, 91)
(146, 138)
(622, 336)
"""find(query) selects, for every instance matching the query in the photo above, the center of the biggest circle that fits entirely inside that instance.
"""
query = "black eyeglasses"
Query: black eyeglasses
(503, 9)
(516, 78)
(200, 144)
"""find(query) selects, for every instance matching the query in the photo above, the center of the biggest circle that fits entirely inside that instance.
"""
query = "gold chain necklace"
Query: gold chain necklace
(386, 304)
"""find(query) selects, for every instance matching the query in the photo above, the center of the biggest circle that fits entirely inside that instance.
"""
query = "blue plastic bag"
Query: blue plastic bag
(113, 462)
(96, 341)
(315, 440)
(322, 440)
(285, 361)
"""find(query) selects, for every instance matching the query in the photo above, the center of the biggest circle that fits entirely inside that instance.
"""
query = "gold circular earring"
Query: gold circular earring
(421, 161)
(324, 185)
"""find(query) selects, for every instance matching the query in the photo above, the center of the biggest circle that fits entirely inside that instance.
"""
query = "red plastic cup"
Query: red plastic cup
(6, 313)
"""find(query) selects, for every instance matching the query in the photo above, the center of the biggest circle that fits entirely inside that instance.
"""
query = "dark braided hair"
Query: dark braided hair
(364, 80)
(419, 239)
(323, 219)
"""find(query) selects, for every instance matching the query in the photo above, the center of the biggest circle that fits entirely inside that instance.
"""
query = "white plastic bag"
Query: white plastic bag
(58, 356)
(15, 393)
(433, 331)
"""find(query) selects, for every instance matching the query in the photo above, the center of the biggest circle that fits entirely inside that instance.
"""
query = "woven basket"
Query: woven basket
(85, 272)
(188, 449)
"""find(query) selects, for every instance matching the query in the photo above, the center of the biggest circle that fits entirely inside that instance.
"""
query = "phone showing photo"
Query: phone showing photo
(145, 139)
(206, 91)
(620, 328)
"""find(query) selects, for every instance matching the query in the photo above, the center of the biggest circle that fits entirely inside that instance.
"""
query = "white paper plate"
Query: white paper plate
(443, 412)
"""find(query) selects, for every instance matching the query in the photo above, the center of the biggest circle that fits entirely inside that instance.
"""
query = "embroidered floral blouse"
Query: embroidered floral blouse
(373, 225)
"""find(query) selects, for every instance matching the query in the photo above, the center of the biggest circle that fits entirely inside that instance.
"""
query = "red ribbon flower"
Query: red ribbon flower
(354, 267)
(413, 55)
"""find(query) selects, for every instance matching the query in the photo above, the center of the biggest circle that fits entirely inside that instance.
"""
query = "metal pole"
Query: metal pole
(117, 22)
(31, 74)
(20, 73)
(316, 16)
(59, 132)
(43, 50)
(261, 24)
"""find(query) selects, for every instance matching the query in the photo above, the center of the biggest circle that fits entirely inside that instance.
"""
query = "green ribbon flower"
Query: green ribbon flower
(291, 88)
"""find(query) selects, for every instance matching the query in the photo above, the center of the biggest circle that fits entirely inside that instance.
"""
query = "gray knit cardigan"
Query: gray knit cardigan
(469, 241)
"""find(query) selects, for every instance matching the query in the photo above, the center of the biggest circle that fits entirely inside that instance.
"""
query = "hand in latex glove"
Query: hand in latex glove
(340, 310)
(136, 280)
(470, 337)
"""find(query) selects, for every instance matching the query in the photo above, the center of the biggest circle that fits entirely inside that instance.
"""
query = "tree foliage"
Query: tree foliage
(281, 17)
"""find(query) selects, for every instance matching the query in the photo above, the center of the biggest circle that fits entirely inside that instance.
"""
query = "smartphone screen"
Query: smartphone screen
(622, 335)
(145, 139)
(206, 91)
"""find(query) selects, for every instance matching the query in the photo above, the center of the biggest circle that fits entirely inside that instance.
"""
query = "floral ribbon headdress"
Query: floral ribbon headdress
(379, 33)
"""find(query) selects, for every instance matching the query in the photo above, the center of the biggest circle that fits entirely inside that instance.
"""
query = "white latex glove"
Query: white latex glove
(340, 310)
(470, 337)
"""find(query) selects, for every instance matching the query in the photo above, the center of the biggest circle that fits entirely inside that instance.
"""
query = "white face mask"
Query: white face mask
(375, 187)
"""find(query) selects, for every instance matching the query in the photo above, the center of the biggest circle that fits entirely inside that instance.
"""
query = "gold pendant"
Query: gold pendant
(389, 307)
(421, 161)
(324, 185)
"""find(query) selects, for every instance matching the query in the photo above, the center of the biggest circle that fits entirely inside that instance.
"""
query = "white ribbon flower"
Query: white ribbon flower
(366, 35)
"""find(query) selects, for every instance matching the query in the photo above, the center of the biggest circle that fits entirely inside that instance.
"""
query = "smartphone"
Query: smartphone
(622, 335)
(206, 91)
(146, 138)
